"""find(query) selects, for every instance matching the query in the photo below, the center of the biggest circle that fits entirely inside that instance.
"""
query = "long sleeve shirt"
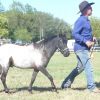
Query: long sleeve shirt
(82, 33)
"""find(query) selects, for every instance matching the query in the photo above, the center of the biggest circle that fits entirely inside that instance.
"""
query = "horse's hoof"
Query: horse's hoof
(7, 91)
(55, 89)
(30, 91)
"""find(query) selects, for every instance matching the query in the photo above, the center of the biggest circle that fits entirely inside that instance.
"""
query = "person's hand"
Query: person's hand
(94, 39)
(89, 44)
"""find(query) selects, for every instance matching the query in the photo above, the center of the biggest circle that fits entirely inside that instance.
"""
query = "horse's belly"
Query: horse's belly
(28, 60)
(23, 64)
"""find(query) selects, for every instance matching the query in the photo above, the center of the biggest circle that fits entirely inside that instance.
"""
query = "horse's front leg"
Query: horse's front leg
(45, 72)
(35, 72)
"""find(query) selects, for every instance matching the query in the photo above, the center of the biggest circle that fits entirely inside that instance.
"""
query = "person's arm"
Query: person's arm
(77, 32)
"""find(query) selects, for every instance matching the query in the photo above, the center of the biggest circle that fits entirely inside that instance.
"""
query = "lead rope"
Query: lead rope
(89, 58)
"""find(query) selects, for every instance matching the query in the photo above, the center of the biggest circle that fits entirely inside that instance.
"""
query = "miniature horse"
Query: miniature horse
(35, 56)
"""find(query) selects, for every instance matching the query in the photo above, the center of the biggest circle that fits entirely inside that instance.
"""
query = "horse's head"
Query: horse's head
(62, 45)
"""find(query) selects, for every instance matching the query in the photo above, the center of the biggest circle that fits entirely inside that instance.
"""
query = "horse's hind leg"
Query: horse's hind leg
(3, 79)
(35, 72)
(45, 72)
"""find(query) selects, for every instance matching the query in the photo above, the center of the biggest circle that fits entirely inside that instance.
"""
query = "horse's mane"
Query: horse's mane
(46, 39)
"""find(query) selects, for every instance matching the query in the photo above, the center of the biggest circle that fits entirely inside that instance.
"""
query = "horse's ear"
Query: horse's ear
(59, 35)
(62, 35)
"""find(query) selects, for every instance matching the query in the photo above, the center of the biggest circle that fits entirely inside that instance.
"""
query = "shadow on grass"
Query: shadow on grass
(40, 89)
(83, 88)
(44, 89)
(79, 89)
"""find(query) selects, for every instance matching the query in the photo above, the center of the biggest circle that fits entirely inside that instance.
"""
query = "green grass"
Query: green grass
(59, 67)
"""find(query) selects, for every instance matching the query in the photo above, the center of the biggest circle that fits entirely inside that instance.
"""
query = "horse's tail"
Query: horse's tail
(1, 71)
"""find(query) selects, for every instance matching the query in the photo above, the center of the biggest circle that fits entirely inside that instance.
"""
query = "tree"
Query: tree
(17, 6)
(28, 8)
(26, 23)
(22, 34)
(96, 26)
(3, 26)
(1, 7)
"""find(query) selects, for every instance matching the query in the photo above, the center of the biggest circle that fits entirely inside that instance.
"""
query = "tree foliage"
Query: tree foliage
(3, 26)
(23, 22)
(26, 23)
(96, 26)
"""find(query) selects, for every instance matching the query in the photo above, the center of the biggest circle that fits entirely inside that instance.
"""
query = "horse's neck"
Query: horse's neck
(50, 47)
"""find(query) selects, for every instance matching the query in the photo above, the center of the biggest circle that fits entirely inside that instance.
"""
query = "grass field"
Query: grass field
(59, 67)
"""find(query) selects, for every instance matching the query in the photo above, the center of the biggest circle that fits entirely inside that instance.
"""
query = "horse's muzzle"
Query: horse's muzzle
(66, 53)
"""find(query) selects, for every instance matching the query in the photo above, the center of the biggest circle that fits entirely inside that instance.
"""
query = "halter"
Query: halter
(89, 57)
(63, 49)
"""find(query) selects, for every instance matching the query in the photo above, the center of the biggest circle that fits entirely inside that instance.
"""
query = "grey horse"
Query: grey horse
(35, 56)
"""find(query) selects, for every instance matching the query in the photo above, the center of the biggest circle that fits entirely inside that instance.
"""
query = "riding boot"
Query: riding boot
(69, 80)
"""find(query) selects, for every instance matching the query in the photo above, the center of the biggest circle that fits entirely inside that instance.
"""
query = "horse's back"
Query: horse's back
(7, 47)
(4, 49)
(9, 50)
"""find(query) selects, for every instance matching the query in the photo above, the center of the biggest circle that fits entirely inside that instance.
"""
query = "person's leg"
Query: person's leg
(84, 64)
(70, 78)
(89, 74)
(89, 71)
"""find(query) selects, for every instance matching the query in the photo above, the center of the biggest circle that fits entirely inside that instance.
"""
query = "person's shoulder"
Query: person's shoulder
(80, 20)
